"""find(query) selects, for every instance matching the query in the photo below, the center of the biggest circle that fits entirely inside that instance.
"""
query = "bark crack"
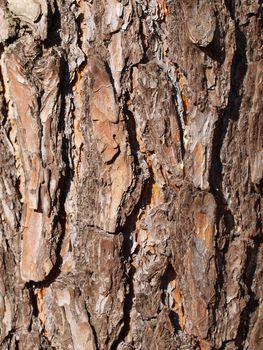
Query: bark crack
(253, 302)
(231, 112)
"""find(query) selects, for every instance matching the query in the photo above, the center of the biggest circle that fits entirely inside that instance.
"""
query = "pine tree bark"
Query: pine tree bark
(131, 174)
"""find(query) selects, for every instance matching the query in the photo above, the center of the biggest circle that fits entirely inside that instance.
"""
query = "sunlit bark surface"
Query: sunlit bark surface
(131, 164)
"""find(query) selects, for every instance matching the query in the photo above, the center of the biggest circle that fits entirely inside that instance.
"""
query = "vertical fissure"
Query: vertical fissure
(226, 118)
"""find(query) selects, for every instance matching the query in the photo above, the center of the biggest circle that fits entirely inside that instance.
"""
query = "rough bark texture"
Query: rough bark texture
(131, 174)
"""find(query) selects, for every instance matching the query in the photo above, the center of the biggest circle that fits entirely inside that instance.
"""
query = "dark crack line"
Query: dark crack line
(92, 328)
(130, 225)
(253, 303)
(231, 112)
(127, 307)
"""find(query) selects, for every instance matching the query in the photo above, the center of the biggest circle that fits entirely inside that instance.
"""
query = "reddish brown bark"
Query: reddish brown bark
(131, 174)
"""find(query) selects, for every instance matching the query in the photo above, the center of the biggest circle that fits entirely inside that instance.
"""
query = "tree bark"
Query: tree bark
(131, 174)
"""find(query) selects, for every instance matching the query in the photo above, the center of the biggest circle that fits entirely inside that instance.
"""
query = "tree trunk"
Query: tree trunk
(131, 174)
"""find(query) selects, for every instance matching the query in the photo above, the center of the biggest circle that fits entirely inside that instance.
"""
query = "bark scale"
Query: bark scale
(131, 174)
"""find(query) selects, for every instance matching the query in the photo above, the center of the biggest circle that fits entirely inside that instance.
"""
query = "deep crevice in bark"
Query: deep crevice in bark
(230, 113)
(180, 117)
(129, 227)
(127, 230)
(253, 302)
(131, 129)
(33, 300)
(92, 328)
(127, 307)
(54, 27)
(168, 276)
(8, 338)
